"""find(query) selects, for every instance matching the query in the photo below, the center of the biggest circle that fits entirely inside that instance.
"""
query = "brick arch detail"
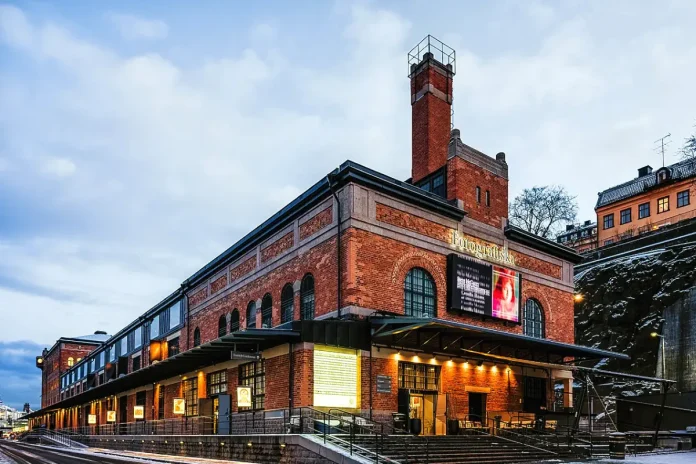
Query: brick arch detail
(541, 298)
(420, 259)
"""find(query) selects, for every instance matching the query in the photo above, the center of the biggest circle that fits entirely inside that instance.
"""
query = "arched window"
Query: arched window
(222, 326)
(267, 311)
(251, 315)
(71, 362)
(234, 320)
(307, 298)
(196, 337)
(287, 306)
(419, 293)
(533, 319)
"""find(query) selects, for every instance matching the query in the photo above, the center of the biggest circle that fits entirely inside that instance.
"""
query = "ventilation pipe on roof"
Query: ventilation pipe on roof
(99, 332)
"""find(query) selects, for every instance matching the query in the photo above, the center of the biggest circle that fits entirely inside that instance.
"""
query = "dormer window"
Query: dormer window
(662, 175)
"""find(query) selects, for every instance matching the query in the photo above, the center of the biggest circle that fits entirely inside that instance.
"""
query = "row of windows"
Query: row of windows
(577, 235)
(625, 215)
(287, 310)
(420, 301)
(161, 324)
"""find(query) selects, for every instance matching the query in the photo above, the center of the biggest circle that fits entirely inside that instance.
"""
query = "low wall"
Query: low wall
(286, 449)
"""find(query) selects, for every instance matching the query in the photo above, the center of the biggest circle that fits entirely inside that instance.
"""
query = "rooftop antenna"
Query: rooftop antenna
(661, 147)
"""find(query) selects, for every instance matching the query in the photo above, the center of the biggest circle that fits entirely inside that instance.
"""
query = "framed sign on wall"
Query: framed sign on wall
(477, 287)
(110, 416)
(179, 407)
(244, 397)
(138, 412)
(92, 419)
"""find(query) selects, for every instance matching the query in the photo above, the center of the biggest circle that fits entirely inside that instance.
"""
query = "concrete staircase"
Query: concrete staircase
(478, 448)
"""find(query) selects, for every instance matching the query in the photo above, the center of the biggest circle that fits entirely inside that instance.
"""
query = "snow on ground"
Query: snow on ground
(667, 458)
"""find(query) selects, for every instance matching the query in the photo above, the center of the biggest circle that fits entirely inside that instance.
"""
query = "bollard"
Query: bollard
(617, 445)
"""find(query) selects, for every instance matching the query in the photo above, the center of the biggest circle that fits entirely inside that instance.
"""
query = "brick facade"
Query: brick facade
(316, 223)
(462, 179)
(277, 247)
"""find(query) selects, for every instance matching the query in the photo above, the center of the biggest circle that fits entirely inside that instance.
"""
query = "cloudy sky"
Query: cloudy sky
(140, 139)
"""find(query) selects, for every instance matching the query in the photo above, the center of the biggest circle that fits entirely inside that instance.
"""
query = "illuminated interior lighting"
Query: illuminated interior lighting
(578, 297)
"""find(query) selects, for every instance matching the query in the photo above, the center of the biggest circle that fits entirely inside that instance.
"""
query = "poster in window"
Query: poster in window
(110, 416)
(244, 397)
(179, 406)
(476, 287)
(91, 419)
(138, 412)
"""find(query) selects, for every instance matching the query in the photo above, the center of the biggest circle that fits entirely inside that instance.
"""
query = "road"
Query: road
(21, 453)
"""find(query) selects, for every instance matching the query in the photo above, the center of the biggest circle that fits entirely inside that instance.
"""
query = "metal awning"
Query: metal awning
(216, 351)
(466, 340)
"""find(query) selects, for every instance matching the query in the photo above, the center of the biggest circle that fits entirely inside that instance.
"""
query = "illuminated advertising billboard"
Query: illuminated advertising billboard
(336, 377)
(477, 287)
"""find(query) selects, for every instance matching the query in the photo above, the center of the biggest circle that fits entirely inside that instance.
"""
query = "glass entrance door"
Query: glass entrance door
(423, 407)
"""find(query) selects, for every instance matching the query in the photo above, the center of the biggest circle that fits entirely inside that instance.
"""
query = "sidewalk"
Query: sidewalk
(683, 457)
(162, 457)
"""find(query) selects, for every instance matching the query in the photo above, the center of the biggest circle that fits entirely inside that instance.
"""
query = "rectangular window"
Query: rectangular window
(609, 221)
(160, 408)
(439, 185)
(131, 341)
(662, 205)
(488, 198)
(253, 375)
(154, 327)
(138, 337)
(136, 364)
(608, 242)
(173, 347)
(175, 315)
(478, 194)
(112, 353)
(191, 396)
(217, 383)
(683, 199)
(418, 376)
(625, 216)
(643, 210)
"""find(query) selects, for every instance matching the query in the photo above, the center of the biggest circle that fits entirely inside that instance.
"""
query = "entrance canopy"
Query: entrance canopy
(449, 338)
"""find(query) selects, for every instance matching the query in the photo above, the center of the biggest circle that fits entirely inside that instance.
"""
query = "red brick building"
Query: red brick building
(367, 294)
(60, 358)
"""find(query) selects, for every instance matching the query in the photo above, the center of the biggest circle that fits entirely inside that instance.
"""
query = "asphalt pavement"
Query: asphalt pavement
(21, 453)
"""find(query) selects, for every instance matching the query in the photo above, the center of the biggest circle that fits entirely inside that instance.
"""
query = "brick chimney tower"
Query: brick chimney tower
(431, 69)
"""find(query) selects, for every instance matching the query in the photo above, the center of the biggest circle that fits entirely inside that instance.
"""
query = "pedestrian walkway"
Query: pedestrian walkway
(162, 457)
(686, 457)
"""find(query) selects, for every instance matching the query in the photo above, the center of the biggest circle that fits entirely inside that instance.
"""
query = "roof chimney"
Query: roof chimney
(588, 222)
(644, 171)
(431, 70)
(570, 227)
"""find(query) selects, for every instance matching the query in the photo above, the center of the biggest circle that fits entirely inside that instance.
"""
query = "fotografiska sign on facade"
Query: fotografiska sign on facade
(482, 251)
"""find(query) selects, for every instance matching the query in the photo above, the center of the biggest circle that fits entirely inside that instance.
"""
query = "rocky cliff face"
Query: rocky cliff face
(625, 299)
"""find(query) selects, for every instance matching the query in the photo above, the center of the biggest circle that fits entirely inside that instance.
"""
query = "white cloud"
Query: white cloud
(133, 27)
(14, 28)
(59, 167)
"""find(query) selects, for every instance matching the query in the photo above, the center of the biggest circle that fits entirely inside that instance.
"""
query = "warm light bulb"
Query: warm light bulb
(578, 297)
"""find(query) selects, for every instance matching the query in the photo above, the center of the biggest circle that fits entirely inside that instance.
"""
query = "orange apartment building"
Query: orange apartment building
(652, 200)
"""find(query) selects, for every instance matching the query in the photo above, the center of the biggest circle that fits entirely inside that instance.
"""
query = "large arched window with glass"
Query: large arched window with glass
(419, 293)
(307, 298)
(267, 311)
(251, 315)
(234, 321)
(287, 306)
(196, 337)
(533, 319)
(222, 326)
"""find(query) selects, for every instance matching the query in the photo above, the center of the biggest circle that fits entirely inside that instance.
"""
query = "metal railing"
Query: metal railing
(43, 435)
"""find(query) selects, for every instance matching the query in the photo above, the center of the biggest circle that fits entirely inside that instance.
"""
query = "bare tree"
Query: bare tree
(688, 151)
(543, 210)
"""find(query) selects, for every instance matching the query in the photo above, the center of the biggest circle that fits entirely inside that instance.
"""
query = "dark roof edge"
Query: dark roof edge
(527, 238)
(346, 173)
